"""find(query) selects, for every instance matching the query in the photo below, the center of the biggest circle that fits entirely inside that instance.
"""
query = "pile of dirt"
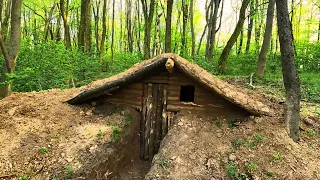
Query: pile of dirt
(42, 137)
(202, 146)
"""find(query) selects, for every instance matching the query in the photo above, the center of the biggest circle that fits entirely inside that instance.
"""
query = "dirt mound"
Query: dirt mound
(200, 146)
(44, 138)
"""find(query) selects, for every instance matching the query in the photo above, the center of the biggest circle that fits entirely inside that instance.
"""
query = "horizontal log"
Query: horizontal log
(129, 91)
(119, 101)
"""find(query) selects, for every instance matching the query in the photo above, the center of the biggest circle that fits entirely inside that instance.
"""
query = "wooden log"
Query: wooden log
(153, 118)
(164, 116)
(158, 128)
(143, 121)
(148, 122)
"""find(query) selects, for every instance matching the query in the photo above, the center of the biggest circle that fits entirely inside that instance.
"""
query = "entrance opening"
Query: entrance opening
(187, 93)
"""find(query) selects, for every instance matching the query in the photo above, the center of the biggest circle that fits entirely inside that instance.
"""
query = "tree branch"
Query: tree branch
(34, 11)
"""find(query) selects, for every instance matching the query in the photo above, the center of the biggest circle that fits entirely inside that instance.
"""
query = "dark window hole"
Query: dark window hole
(187, 93)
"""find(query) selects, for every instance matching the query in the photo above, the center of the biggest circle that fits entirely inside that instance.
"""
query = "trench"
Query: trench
(124, 162)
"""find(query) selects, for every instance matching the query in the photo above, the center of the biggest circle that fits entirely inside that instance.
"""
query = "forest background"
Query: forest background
(69, 43)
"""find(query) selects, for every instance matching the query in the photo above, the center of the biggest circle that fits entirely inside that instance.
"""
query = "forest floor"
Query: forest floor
(44, 138)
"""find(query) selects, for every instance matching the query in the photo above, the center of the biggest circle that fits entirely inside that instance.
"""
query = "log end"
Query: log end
(170, 65)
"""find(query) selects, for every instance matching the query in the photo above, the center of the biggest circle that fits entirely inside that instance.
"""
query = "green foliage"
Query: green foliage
(100, 133)
(248, 143)
(277, 157)
(252, 166)
(24, 177)
(128, 119)
(312, 132)
(43, 150)
(232, 123)
(233, 172)
(50, 65)
(116, 134)
(237, 143)
(269, 174)
(216, 122)
(164, 163)
(68, 170)
(258, 137)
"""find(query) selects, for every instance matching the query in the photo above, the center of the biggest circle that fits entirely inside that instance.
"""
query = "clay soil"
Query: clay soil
(42, 137)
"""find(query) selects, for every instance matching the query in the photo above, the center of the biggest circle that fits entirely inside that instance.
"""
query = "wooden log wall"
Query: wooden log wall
(204, 99)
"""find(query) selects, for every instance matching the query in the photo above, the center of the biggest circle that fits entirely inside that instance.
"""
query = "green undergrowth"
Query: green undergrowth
(49, 65)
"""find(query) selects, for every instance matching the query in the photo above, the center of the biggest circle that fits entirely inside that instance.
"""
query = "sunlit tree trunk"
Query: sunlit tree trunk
(184, 27)
(5, 21)
(129, 25)
(261, 65)
(84, 36)
(112, 31)
(290, 75)
(193, 37)
(96, 12)
(104, 27)
(250, 26)
(11, 52)
(148, 12)
(212, 25)
(226, 51)
(168, 26)
(64, 6)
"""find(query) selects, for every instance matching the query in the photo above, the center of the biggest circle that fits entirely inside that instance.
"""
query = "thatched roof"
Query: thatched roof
(140, 70)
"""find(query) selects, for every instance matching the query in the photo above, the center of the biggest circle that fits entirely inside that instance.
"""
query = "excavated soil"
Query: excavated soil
(41, 137)
(201, 146)
(44, 138)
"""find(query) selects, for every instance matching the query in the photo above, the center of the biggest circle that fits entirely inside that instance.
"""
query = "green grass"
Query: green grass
(116, 134)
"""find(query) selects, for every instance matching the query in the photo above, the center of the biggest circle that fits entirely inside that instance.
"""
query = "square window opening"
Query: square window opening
(187, 93)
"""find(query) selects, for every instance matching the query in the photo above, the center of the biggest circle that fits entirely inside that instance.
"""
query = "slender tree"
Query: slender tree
(64, 6)
(193, 36)
(212, 26)
(250, 26)
(104, 27)
(290, 75)
(226, 51)
(11, 52)
(261, 65)
(168, 26)
(148, 11)
(84, 36)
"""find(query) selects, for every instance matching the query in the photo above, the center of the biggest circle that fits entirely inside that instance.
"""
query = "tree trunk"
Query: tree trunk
(250, 26)
(47, 26)
(148, 17)
(84, 36)
(104, 27)
(129, 25)
(212, 29)
(241, 42)
(193, 37)
(261, 65)
(226, 51)
(96, 12)
(64, 14)
(5, 22)
(112, 31)
(168, 27)
(11, 55)
(184, 28)
(290, 75)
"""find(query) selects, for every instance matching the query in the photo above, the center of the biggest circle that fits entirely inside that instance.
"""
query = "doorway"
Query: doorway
(154, 124)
